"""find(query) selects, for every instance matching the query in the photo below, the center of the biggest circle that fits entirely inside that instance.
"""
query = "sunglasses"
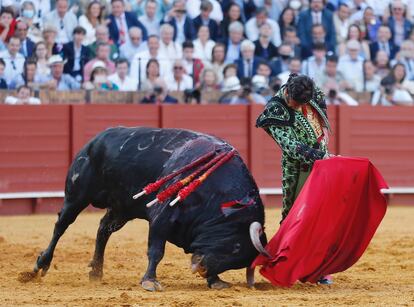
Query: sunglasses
(178, 67)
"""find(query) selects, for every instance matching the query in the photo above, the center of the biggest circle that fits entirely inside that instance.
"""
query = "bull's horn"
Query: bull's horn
(255, 231)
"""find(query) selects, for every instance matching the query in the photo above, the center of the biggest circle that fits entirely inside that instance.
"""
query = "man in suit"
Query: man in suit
(316, 15)
(120, 21)
(64, 19)
(76, 55)
(206, 7)
(247, 64)
(182, 24)
(384, 43)
(27, 45)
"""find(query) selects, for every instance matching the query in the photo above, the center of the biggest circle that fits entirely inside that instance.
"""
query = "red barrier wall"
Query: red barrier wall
(227, 122)
(385, 135)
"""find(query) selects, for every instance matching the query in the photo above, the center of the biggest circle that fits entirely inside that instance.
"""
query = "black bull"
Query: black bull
(119, 162)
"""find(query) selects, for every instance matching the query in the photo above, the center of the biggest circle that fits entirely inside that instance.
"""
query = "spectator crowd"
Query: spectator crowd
(244, 49)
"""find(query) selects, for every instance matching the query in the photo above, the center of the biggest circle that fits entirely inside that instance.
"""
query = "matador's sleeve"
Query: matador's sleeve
(286, 139)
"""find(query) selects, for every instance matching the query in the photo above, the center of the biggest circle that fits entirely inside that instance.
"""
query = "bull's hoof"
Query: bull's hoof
(218, 284)
(151, 285)
(95, 275)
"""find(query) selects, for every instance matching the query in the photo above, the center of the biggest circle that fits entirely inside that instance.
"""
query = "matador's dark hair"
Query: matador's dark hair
(300, 88)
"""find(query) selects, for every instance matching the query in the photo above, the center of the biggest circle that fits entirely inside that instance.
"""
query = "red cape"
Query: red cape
(330, 224)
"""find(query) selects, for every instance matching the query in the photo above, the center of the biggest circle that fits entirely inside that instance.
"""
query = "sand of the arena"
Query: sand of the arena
(384, 276)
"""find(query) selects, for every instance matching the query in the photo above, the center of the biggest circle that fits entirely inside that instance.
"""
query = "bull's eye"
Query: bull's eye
(236, 248)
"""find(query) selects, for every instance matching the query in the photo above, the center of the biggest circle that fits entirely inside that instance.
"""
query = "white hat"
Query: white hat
(231, 84)
(98, 64)
(54, 59)
(259, 82)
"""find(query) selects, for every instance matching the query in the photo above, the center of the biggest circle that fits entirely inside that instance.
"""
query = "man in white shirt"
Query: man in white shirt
(140, 60)
(121, 78)
(64, 20)
(341, 22)
(254, 24)
(134, 45)
(179, 80)
(314, 66)
(13, 59)
(351, 65)
(294, 68)
(149, 19)
(168, 48)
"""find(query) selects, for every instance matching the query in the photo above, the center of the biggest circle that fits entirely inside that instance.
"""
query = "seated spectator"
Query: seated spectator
(233, 14)
(192, 66)
(342, 22)
(351, 65)
(149, 19)
(182, 25)
(234, 41)
(261, 88)
(57, 80)
(382, 62)
(389, 94)
(371, 78)
(28, 16)
(318, 36)
(369, 25)
(291, 38)
(398, 22)
(406, 57)
(28, 77)
(13, 59)
(247, 63)
(3, 83)
(134, 45)
(26, 44)
(294, 68)
(315, 65)
(203, 45)
(400, 75)
(99, 78)
(64, 19)
(230, 88)
(254, 24)
(40, 55)
(316, 25)
(208, 81)
(7, 24)
(286, 19)
(354, 33)
(193, 9)
(169, 49)
(102, 54)
(384, 43)
(121, 79)
(217, 60)
(159, 94)
(49, 37)
(281, 63)
(264, 70)
(102, 36)
(92, 18)
(264, 47)
(152, 72)
(230, 70)
(178, 80)
(24, 96)
(162, 7)
(206, 7)
(76, 54)
(235, 93)
(120, 21)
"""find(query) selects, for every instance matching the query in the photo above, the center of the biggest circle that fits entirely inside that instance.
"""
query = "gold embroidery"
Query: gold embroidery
(313, 119)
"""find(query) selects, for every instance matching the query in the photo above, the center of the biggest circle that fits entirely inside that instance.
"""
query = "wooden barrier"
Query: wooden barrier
(385, 135)
(88, 120)
(227, 122)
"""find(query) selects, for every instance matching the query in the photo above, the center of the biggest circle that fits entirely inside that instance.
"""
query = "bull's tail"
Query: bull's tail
(256, 230)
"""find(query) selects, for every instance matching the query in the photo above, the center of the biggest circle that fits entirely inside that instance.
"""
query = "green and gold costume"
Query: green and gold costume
(299, 133)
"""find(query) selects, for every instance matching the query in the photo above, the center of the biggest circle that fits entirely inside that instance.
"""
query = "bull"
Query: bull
(118, 162)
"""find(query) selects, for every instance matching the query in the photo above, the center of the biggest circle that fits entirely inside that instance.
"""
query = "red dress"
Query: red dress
(330, 224)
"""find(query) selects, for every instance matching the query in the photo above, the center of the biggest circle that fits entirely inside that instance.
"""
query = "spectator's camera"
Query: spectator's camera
(388, 89)
(332, 94)
(158, 90)
(192, 96)
(388, 84)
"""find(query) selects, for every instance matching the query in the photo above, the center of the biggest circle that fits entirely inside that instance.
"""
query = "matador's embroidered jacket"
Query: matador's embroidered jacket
(297, 137)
